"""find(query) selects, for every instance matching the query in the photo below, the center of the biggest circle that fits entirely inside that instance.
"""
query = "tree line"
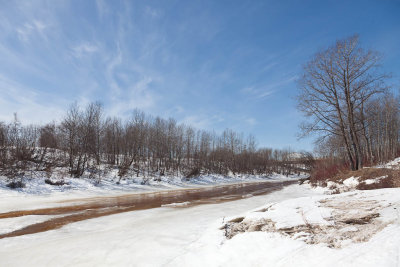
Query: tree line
(88, 143)
(349, 106)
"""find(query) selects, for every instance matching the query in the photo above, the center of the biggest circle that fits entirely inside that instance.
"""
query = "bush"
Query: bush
(326, 169)
(57, 183)
(16, 184)
(193, 173)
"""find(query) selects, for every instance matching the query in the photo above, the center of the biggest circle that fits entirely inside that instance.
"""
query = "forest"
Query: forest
(86, 143)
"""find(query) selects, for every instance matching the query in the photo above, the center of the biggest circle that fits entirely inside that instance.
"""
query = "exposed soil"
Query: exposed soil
(102, 206)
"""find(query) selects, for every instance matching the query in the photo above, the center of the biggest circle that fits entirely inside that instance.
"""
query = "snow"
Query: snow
(287, 215)
(394, 164)
(273, 248)
(375, 180)
(38, 194)
(155, 237)
(37, 186)
(351, 182)
(348, 184)
(177, 204)
(296, 226)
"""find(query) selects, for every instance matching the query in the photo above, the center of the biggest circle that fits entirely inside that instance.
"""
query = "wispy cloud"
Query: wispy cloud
(84, 49)
(251, 121)
(27, 102)
(260, 92)
(30, 28)
(152, 12)
(257, 93)
(138, 95)
(102, 8)
(202, 121)
(110, 73)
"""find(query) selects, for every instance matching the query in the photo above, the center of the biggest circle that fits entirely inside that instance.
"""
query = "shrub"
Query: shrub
(326, 169)
(16, 184)
(57, 183)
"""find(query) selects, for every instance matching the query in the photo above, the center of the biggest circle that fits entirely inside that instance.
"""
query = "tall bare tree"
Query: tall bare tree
(336, 84)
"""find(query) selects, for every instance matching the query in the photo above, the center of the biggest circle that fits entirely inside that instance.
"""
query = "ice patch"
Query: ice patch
(180, 204)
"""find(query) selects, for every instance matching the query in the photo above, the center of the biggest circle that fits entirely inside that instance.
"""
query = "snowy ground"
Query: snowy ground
(360, 228)
(155, 237)
(296, 226)
(394, 164)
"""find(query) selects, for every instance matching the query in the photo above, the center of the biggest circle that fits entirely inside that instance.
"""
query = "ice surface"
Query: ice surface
(184, 235)
(154, 237)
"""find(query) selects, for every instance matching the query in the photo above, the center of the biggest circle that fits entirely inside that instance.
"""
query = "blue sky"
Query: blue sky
(210, 64)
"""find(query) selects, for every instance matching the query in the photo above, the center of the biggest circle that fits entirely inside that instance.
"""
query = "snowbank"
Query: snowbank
(394, 164)
(346, 185)
(360, 228)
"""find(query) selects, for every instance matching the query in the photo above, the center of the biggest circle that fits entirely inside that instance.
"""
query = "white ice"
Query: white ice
(153, 237)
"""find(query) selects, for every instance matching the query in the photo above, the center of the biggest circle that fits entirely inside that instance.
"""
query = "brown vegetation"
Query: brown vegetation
(325, 171)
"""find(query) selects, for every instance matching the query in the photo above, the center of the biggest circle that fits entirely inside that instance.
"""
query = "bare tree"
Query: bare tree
(334, 88)
(87, 145)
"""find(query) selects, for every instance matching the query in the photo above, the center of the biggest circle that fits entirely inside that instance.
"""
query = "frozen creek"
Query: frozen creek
(148, 237)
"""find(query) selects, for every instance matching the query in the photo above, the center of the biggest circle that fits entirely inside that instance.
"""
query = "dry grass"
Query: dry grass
(389, 178)
(384, 178)
(351, 221)
(334, 170)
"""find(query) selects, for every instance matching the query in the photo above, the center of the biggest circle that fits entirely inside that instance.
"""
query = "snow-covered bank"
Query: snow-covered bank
(360, 228)
(84, 185)
(155, 237)
(296, 226)
(38, 194)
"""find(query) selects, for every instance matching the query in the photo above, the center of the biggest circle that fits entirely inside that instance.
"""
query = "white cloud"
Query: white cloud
(29, 28)
(269, 66)
(112, 83)
(265, 93)
(83, 49)
(28, 103)
(175, 110)
(256, 93)
(137, 95)
(203, 122)
(267, 90)
(251, 121)
(102, 8)
(154, 13)
(129, 84)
